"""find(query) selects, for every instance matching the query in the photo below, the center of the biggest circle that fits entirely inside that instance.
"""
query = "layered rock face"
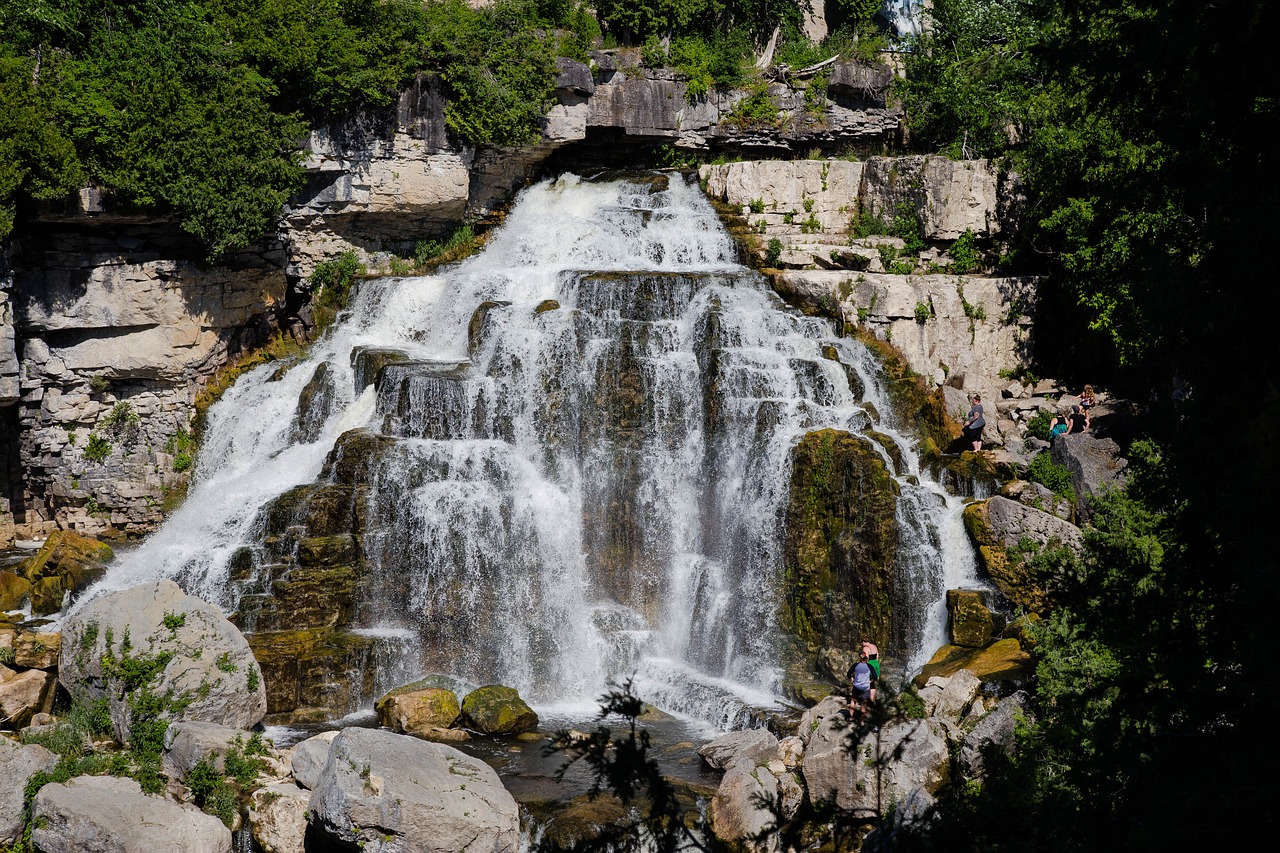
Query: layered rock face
(831, 222)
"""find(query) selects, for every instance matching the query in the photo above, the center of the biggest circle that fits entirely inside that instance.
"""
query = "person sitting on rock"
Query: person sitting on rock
(1079, 421)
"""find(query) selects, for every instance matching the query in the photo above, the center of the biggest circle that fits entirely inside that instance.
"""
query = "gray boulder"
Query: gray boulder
(883, 767)
(1095, 464)
(1013, 521)
(751, 798)
(758, 745)
(106, 814)
(950, 697)
(25, 693)
(18, 764)
(278, 818)
(309, 758)
(187, 742)
(387, 792)
(205, 658)
(995, 728)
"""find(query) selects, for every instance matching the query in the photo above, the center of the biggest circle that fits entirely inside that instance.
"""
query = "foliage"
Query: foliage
(636, 20)
(331, 283)
(462, 238)
(972, 85)
(1038, 425)
(758, 107)
(97, 449)
(774, 252)
(965, 256)
(923, 312)
(1050, 474)
(714, 61)
(182, 446)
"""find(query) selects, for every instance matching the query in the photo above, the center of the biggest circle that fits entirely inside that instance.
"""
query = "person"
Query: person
(1057, 427)
(1087, 399)
(873, 656)
(1079, 421)
(864, 687)
(975, 422)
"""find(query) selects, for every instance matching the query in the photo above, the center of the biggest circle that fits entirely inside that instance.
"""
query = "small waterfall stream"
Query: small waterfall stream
(584, 479)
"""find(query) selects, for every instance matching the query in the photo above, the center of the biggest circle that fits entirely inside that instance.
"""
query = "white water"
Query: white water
(584, 504)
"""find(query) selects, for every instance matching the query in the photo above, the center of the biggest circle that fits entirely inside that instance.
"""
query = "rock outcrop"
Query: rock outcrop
(183, 644)
(108, 813)
(383, 791)
(18, 764)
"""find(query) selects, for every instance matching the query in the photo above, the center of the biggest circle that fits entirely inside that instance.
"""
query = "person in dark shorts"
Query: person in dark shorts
(974, 423)
(863, 683)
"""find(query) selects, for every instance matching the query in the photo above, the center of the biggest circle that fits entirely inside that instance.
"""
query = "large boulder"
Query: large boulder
(66, 562)
(1095, 464)
(751, 799)
(30, 649)
(421, 709)
(309, 758)
(188, 742)
(950, 697)
(158, 638)
(384, 791)
(1004, 660)
(995, 730)
(498, 710)
(25, 693)
(278, 818)
(882, 767)
(756, 745)
(1000, 528)
(971, 621)
(17, 765)
(112, 815)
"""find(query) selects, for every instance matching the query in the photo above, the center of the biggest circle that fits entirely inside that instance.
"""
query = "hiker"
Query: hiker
(863, 691)
(975, 422)
(1057, 426)
(1079, 421)
(873, 656)
(1087, 399)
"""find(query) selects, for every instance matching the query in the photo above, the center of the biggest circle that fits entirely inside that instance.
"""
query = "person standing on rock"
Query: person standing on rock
(975, 422)
(873, 657)
(864, 687)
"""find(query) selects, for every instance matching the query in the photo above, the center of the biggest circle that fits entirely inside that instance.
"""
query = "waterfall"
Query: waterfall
(581, 459)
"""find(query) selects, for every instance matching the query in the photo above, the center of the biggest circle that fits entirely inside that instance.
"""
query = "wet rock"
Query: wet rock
(66, 562)
(1003, 660)
(313, 672)
(498, 710)
(755, 745)
(15, 590)
(840, 541)
(314, 405)
(971, 622)
(584, 820)
(188, 645)
(418, 708)
(391, 791)
(108, 813)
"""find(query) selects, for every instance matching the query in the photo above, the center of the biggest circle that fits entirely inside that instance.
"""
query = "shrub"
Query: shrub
(923, 312)
(774, 252)
(1048, 473)
(1038, 426)
(757, 205)
(97, 449)
(965, 257)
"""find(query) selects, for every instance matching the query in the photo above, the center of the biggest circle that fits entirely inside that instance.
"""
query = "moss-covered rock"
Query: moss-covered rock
(840, 542)
(498, 710)
(924, 409)
(14, 590)
(1003, 660)
(418, 708)
(313, 674)
(1012, 573)
(972, 622)
(968, 474)
(67, 562)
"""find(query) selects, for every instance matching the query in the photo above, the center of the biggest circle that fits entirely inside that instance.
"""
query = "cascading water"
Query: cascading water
(581, 458)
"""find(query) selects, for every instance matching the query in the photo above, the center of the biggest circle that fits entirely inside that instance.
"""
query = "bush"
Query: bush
(774, 253)
(1048, 473)
(965, 257)
(1038, 426)
(98, 448)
